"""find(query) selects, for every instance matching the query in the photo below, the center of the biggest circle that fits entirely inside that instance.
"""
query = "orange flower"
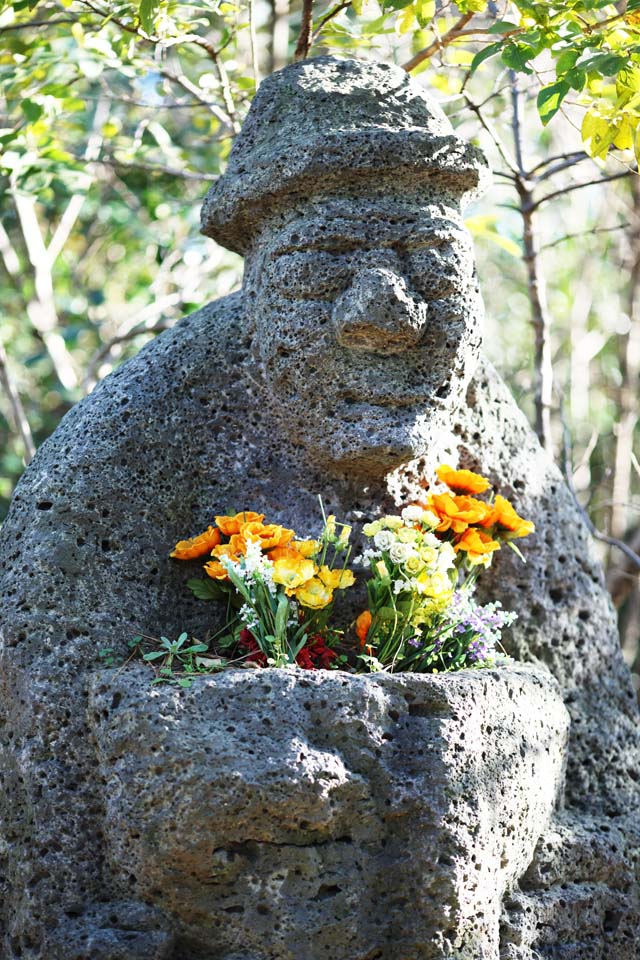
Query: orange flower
(270, 534)
(506, 517)
(231, 525)
(197, 546)
(457, 513)
(237, 547)
(462, 481)
(216, 570)
(363, 624)
(478, 546)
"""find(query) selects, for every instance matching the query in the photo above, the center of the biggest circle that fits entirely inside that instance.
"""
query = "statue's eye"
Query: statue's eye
(309, 275)
(437, 271)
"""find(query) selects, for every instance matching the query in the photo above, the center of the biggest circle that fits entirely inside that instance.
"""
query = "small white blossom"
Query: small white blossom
(412, 513)
(399, 586)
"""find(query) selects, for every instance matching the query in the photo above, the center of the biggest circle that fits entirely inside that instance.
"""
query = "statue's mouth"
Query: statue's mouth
(383, 399)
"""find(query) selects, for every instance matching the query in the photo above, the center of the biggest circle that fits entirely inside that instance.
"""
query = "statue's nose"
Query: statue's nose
(377, 312)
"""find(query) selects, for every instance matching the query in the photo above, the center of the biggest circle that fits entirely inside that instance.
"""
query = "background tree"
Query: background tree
(116, 115)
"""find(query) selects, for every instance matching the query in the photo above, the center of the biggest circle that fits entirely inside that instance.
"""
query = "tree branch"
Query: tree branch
(568, 476)
(329, 16)
(19, 417)
(305, 37)
(438, 44)
(579, 186)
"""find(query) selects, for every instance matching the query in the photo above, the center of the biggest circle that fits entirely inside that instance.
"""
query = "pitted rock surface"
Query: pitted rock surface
(262, 401)
(355, 816)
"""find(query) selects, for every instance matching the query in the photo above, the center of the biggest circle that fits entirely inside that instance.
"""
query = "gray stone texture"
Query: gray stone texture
(349, 365)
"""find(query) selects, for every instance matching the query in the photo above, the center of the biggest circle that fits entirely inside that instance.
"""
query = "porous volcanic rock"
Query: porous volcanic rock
(289, 813)
(348, 366)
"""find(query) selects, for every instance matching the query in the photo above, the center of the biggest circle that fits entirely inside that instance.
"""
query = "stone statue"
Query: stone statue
(283, 815)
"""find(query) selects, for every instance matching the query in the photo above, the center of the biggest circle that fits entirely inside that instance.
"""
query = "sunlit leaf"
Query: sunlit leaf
(550, 99)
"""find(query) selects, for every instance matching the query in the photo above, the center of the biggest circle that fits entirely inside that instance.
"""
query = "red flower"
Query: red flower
(316, 655)
(249, 642)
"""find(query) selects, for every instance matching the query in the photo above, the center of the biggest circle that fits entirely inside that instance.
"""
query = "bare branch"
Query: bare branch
(568, 475)
(329, 16)
(509, 160)
(73, 208)
(108, 161)
(579, 186)
(8, 254)
(305, 36)
(19, 417)
(562, 165)
(583, 233)
(579, 154)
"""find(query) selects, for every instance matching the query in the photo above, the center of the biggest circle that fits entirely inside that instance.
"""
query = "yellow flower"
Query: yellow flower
(314, 594)
(370, 529)
(381, 568)
(330, 526)
(392, 523)
(308, 548)
(337, 579)
(345, 533)
(436, 585)
(197, 546)
(413, 564)
(429, 555)
(407, 535)
(292, 572)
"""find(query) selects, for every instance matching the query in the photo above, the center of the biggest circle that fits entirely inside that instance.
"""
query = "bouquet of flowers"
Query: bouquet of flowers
(280, 589)
(424, 563)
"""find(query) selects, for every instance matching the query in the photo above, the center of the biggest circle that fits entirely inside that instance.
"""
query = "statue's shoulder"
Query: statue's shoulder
(212, 333)
(492, 415)
(200, 349)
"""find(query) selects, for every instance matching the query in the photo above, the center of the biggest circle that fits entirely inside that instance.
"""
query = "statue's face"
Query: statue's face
(367, 320)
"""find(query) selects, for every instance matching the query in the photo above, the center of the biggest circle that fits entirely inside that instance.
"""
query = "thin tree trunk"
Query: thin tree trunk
(629, 361)
(543, 368)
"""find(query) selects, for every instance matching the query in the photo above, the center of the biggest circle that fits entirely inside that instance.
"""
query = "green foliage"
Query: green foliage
(178, 661)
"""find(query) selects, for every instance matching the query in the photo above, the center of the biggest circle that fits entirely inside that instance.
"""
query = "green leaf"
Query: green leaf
(483, 55)
(154, 654)
(550, 99)
(425, 12)
(502, 26)
(148, 12)
(206, 589)
(32, 111)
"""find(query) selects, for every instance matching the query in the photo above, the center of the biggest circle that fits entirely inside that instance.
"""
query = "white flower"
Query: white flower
(412, 513)
(446, 556)
(400, 552)
(399, 586)
(383, 539)
(430, 540)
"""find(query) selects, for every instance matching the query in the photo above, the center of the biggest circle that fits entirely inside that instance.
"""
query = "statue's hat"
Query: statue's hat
(329, 124)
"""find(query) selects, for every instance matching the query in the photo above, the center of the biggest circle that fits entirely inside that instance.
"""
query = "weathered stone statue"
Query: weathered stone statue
(283, 815)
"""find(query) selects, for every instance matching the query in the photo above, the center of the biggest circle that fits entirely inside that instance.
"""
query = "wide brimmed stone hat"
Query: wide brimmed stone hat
(327, 124)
